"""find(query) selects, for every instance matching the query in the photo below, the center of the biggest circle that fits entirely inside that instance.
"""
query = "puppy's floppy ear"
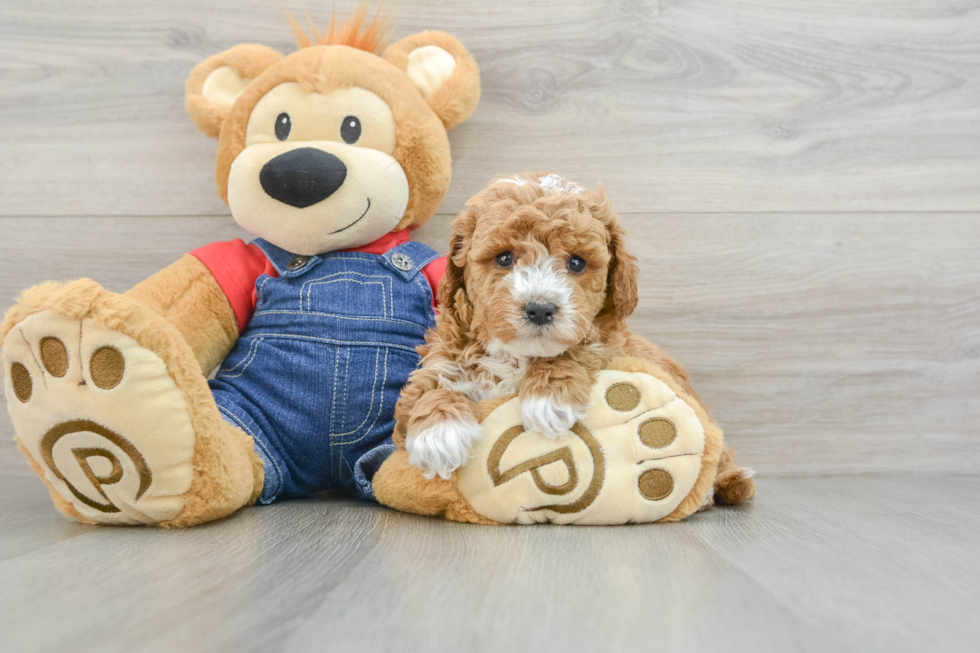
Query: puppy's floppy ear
(216, 83)
(443, 72)
(623, 275)
(621, 280)
(452, 291)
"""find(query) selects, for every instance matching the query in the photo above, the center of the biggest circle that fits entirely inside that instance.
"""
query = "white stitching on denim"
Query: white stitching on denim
(419, 284)
(333, 443)
(345, 343)
(385, 282)
(333, 392)
(380, 406)
(262, 286)
(418, 267)
(253, 351)
(305, 292)
(343, 417)
(367, 257)
(347, 317)
(426, 290)
(259, 293)
(337, 274)
(259, 442)
(384, 292)
(374, 389)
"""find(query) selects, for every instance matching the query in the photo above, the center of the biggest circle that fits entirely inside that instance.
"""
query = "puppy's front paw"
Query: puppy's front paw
(443, 448)
(548, 417)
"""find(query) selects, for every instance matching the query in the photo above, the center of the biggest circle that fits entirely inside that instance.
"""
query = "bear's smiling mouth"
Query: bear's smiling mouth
(355, 221)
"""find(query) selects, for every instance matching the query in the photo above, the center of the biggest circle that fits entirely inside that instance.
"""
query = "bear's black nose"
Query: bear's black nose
(302, 177)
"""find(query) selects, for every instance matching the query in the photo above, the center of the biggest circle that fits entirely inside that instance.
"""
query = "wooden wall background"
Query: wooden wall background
(801, 179)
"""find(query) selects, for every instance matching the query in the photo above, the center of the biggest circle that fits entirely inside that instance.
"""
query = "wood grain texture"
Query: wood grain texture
(824, 344)
(677, 105)
(831, 564)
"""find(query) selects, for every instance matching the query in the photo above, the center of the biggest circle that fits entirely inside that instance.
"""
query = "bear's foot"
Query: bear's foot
(112, 428)
(641, 454)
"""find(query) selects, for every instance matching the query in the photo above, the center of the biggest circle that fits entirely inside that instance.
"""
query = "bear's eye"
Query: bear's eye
(576, 264)
(283, 125)
(350, 129)
(504, 260)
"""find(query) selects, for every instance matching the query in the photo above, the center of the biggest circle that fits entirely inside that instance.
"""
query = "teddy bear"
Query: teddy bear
(331, 156)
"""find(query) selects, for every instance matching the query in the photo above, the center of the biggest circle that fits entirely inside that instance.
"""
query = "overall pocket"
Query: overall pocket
(359, 403)
(349, 294)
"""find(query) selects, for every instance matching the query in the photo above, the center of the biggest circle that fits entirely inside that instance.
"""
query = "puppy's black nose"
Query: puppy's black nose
(539, 314)
(302, 177)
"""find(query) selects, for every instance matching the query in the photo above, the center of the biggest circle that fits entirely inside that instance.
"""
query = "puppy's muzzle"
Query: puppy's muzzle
(302, 177)
(539, 314)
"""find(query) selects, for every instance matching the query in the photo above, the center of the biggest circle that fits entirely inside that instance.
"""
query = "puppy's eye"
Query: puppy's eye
(576, 264)
(505, 260)
(283, 126)
(350, 129)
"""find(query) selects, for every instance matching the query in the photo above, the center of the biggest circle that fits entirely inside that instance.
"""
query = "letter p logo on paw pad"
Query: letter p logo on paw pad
(634, 458)
(102, 418)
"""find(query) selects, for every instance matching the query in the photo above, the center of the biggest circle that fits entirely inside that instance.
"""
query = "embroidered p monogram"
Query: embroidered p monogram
(82, 456)
(564, 455)
(633, 458)
(534, 465)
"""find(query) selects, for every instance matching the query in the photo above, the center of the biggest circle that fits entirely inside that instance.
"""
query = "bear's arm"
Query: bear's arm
(188, 295)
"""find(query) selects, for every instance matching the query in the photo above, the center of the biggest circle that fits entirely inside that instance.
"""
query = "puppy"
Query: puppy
(534, 302)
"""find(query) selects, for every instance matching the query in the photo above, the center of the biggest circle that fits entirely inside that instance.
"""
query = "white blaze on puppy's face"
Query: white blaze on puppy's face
(541, 282)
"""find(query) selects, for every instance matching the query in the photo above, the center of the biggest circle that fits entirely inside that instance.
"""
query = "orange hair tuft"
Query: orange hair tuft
(371, 37)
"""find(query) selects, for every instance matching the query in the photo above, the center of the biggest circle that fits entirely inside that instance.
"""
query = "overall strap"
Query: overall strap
(405, 260)
(286, 264)
(408, 259)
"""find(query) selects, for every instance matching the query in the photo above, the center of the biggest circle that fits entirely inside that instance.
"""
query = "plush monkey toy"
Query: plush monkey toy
(331, 156)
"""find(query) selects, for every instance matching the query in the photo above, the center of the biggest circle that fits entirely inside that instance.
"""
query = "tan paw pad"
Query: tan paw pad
(634, 458)
(102, 417)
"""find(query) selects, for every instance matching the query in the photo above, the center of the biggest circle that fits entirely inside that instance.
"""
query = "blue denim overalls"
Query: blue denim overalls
(316, 374)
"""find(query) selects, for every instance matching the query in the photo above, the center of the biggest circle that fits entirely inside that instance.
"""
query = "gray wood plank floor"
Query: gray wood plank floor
(830, 564)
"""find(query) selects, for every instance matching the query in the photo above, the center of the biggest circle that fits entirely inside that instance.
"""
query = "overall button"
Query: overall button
(402, 261)
(297, 262)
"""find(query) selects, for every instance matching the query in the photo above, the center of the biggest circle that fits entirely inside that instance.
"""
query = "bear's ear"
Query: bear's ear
(443, 72)
(216, 83)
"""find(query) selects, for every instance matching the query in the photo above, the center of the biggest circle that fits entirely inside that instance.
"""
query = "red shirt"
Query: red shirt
(236, 267)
